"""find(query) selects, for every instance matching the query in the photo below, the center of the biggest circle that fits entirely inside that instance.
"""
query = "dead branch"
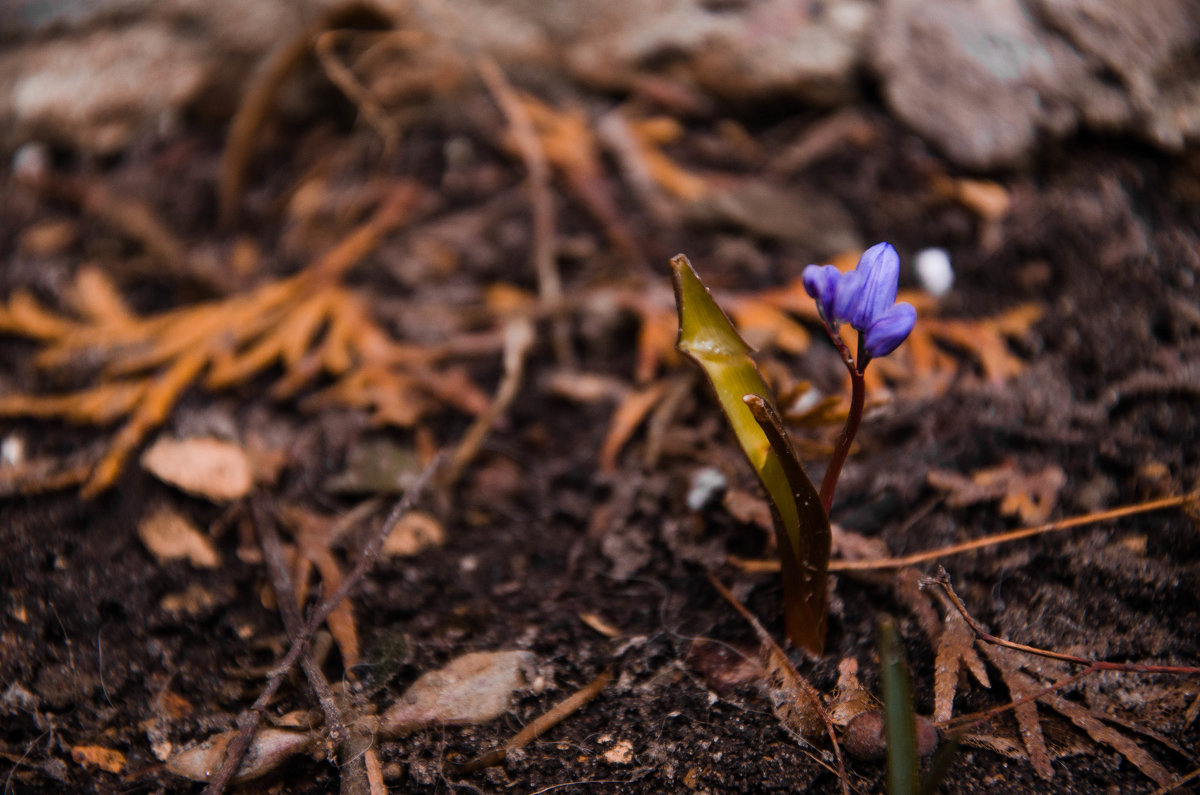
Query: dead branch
(539, 726)
(942, 580)
(519, 337)
(544, 235)
(285, 598)
(781, 661)
(1184, 500)
(249, 720)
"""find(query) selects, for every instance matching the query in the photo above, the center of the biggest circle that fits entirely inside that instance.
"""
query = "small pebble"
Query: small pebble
(934, 270)
(31, 163)
(707, 484)
(12, 451)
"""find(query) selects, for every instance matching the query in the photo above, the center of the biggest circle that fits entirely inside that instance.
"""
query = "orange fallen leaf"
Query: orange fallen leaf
(598, 623)
(217, 470)
(1032, 496)
(168, 535)
(415, 532)
(315, 536)
(989, 200)
(630, 412)
(650, 135)
(309, 323)
(566, 137)
(107, 759)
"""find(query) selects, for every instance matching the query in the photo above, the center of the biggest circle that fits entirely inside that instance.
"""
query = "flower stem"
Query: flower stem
(850, 429)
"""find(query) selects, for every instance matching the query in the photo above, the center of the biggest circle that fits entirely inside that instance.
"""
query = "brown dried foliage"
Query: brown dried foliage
(1031, 496)
(309, 324)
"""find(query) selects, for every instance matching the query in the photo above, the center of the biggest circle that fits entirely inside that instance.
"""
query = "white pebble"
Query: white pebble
(12, 450)
(706, 484)
(934, 270)
(31, 163)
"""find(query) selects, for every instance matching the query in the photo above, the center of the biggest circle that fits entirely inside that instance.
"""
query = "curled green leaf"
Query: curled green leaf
(708, 337)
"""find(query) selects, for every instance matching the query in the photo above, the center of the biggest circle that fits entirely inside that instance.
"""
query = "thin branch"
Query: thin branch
(293, 622)
(539, 726)
(343, 77)
(249, 720)
(803, 684)
(1015, 535)
(755, 566)
(942, 580)
(544, 236)
(519, 337)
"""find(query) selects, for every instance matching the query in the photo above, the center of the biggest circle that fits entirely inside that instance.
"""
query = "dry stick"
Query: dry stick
(293, 622)
(810, 692)
(391, 213)
(987, 541)
(257, 103)
(964, 721)
(942, 579)
(341, 76)
(534, 157)
(249, 720)
(518, 339)
(1172, 787)
(539, 726)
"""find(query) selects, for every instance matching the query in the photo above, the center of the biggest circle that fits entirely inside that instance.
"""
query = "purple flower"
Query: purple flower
(865, 298)
(890, 329)
(821, 282)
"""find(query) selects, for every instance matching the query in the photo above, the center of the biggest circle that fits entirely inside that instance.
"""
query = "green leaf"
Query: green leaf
(708, 337)
(900, 718)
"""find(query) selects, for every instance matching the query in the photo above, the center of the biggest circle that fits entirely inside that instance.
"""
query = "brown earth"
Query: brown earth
(1098, 233)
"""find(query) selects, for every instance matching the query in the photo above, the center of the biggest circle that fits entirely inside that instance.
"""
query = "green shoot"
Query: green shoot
(708, 337)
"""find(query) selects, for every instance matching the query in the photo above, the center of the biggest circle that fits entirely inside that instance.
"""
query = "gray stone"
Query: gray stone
(91, 75)
(985, 80)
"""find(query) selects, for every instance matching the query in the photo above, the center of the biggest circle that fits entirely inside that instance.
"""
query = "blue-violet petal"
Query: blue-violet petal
(875, 289)
(821, 282)
(890, 329)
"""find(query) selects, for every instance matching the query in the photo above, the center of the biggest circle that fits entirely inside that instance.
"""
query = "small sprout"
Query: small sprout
(866, 299)
(802, 532)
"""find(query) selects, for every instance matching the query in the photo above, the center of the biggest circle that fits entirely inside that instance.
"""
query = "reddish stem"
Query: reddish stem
(850, 429)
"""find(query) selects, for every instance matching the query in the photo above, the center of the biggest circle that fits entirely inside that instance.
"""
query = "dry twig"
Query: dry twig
(540, 196)
(249, 720)
(539, 726)
(1183, 500)
(293, 622)
(519, 337)
(781, 669)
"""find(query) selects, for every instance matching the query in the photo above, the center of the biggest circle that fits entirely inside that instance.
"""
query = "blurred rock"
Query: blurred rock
(738, 51)
(985, 80)
(90, 76)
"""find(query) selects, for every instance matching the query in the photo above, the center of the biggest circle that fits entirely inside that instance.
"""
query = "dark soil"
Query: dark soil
(1104, 237)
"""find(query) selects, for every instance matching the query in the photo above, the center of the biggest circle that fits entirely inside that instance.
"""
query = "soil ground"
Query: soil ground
(1099, 234)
